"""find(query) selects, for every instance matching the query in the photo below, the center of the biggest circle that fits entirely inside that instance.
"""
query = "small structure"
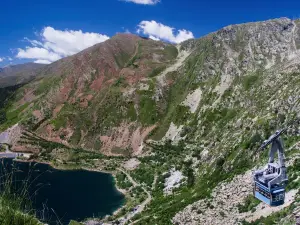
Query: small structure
(4, 136)
(8, 155)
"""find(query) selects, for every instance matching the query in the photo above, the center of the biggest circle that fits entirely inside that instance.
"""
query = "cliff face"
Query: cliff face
(199, 109)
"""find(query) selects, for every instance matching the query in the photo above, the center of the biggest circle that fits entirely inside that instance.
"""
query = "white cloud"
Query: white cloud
(56, 44)
(70, 42)
(159, 31)
(34, 42)
(37, 53)
(42, 61)
(154, 38)
(144, 2)
(5, 58)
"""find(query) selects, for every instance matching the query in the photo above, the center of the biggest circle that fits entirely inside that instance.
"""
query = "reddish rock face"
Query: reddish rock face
(38, 114)
(127, 136)
(57, 110)
(83, 94)
(97, 84)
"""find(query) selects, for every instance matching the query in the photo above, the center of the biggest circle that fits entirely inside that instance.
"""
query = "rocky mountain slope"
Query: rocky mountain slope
(190, 117)
(17, 74)
(98, 99)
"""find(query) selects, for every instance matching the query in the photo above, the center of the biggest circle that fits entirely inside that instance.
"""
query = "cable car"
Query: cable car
(270, 182)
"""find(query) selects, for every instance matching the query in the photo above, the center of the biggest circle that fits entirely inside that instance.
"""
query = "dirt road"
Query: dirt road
(139, 208)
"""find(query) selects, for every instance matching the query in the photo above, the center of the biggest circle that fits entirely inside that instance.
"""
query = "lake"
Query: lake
(70, 194)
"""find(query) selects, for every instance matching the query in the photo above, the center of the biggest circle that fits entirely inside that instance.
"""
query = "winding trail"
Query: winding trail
(138, 208)
(153, 186)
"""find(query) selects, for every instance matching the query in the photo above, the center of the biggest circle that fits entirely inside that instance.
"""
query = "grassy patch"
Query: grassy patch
(76, 136)
(144, 174)
(98, 144)
(121, 81)
(147, 110)
(10, 216)
(181, 114)
(110, 111)
(249, 80)
(249, 204)
(13, 116)
(122, 181)
(220, 116)
(120, 151)
(15, 204)
(171, 51)
(131, 113)
(2, 148)
(72, 222)
(67, 112)
(121, 59)
(293, 175)
(46, 84)
(156, 71)
(59, 122)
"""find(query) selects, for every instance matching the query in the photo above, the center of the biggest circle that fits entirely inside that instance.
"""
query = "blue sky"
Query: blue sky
(52, 28)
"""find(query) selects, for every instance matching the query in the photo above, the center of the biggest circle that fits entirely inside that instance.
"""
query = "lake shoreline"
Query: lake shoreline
(62, 168)
(118, 190)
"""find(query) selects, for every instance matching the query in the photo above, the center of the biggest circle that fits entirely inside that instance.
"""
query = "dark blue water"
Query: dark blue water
(65, 195)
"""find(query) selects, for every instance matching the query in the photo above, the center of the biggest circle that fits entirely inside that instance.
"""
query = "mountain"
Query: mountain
(178, 125)
(16, 74)
(87, 99)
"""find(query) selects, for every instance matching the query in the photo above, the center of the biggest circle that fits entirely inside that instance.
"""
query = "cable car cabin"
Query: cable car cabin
(270, 182)
(273, 197)
(272, 193)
